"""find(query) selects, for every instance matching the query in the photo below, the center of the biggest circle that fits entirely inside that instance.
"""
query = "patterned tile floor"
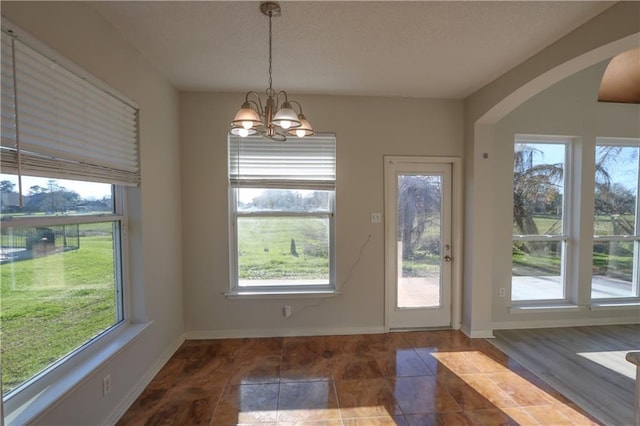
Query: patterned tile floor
(413, 378)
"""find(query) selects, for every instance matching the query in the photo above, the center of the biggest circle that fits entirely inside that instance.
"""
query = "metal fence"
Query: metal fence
(65, 237)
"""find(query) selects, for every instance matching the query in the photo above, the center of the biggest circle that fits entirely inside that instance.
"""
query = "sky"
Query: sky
(87, 190)
(624, 170)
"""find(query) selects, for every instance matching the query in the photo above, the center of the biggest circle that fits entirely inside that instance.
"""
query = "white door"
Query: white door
(418, 244)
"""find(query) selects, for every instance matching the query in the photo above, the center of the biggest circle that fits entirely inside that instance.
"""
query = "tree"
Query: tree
(54, 198)
(533, 185)
(418, 205)
(6, 186)
(37, 189)
(277, 199)
(536, 190)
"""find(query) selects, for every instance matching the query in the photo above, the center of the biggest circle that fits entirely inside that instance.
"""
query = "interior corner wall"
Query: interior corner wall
(611, 32)
(366, 128)
(76, 31)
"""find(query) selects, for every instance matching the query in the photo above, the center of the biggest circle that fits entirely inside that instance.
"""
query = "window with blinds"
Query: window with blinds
(282, 214)
(68, 149)
(306, 163)
(58, 124)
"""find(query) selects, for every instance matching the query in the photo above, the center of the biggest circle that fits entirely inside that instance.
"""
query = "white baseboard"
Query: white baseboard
(137, 390)
(284, 332)
(512, 325)
(477, 334)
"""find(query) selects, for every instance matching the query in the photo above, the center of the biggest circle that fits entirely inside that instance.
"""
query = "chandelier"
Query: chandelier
(266, 119)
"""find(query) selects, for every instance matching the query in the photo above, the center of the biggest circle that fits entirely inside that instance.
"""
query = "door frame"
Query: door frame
(456, 235)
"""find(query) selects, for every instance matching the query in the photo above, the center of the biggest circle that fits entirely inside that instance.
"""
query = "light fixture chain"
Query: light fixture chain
(267, 120)
(270, 61)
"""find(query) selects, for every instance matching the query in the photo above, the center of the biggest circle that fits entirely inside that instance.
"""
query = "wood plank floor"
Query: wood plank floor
(586, 364)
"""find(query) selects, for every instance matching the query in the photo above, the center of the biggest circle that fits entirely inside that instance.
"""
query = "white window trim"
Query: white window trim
(42, 392)
(622, 302)
(565, 238)
(246, 176)
(285, 290)
(574, 263)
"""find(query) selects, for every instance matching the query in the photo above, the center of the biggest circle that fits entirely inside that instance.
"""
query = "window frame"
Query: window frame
(73, 359)
(566, 238)
(635, 297)
(282, 289)
(245, 177)
(29, 400)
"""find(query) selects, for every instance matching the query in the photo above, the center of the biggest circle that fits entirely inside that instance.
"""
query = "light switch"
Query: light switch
(376, 217)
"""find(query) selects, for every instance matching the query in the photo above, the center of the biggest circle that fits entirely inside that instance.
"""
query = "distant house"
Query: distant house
(9, 201)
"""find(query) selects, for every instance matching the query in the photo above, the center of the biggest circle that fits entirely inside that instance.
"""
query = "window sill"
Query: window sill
(602, 306)
(292, 294)
(532, 309)
(30, 402)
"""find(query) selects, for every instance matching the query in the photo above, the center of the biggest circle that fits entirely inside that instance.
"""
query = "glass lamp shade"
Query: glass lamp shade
(246, 118)
(243, 132)
(304, 129)
(286, 117)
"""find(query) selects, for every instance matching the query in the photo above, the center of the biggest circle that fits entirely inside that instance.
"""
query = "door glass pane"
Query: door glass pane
(419, 240)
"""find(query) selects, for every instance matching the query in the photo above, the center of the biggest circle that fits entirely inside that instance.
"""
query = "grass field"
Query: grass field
(542, 258)
(52, 304)
(266, 251)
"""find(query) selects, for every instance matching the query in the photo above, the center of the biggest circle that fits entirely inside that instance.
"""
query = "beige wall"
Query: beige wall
(366, 130)
(76, 31)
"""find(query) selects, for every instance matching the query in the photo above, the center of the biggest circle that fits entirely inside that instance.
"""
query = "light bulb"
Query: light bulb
(243, 132)
(300, 133)
(285, 124)
(247, 124)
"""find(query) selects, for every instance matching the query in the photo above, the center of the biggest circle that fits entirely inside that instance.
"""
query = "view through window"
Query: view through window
(615, 221)
(539, 236)
(282, 205)
(541, 212)
(59, 271)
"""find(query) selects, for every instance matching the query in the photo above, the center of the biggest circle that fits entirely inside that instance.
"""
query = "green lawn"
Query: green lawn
(541, 258)
(53, 304)
(603, 224)
(265, 249)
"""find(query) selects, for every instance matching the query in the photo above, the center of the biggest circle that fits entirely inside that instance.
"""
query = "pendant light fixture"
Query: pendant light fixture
(266, 119)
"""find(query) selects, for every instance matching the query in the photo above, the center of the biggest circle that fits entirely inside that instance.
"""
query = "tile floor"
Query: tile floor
(413, 378)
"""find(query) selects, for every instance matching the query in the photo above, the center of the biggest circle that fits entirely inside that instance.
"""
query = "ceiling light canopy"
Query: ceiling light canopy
(265, 118)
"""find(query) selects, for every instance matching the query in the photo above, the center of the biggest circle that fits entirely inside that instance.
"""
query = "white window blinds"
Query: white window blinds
(57, 124)
(297, 163)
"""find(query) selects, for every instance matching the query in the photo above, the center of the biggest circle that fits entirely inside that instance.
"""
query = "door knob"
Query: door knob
(448, 259)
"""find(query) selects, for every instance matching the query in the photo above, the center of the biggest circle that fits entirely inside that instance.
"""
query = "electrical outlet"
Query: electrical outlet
(502, 292)
(106, 385)
(286, 311)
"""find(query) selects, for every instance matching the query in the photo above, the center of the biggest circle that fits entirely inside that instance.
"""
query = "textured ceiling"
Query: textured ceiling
(445, 49)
